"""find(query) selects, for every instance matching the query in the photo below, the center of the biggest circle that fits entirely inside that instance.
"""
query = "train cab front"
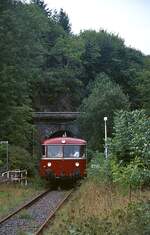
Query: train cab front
(63, 158)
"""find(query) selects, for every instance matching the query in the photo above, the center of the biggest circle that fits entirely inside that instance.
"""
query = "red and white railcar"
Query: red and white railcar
(63, 158)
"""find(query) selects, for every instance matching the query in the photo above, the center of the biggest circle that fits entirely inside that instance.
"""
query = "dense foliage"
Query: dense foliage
(94, 209)
(134, 220)
(45, 67)
(106, 96)
(131, 136)
(128, 162)
(20, 158)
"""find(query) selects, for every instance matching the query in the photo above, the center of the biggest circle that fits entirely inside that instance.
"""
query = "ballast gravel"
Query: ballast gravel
(30, 219)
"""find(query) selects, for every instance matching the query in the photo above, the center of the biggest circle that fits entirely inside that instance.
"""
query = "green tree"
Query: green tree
(22, 55)
(106, 97)
(20, 158)
(63, 19)
(131, 136)
(106, 52)
(143, 86)
(43, 7)
(61, 87)
(144, 90)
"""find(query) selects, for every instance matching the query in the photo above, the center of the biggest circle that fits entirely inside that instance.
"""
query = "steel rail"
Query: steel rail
(24, 206)
(44, 225)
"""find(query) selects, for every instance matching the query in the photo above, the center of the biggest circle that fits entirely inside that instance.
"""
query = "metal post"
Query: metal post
(7, 155)
(106, 146)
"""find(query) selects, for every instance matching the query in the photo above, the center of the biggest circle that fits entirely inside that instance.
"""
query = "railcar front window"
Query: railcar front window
(74, 151)
(54, 151)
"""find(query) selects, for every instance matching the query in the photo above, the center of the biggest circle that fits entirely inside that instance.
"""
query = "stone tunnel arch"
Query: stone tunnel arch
(53, 124)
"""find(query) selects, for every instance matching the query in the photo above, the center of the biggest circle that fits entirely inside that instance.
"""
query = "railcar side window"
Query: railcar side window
(54, 151)
(43, 150)
(82, 150)
(74, 151)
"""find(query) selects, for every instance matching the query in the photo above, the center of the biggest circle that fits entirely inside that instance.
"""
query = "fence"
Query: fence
(16, 176)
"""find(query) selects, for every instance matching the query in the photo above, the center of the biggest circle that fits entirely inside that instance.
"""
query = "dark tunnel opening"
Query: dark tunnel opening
(62, 133)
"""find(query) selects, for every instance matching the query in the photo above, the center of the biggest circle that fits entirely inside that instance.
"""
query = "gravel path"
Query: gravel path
(30, 219)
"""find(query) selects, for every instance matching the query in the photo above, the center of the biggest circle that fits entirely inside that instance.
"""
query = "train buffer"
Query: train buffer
(16, 175)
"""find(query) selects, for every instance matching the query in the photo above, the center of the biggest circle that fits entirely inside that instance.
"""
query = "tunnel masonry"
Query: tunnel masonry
(54, 124)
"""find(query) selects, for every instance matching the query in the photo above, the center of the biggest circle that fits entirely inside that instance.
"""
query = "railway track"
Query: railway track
(34, 216)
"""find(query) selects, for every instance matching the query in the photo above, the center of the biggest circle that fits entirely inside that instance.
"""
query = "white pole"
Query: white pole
(7, 156)
(106, 146)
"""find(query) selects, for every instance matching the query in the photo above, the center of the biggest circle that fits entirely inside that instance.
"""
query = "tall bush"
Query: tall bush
(20, 158)
(131, 136)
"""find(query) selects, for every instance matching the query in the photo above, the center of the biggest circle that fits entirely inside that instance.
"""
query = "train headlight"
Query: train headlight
(77, 164)
(49, 164)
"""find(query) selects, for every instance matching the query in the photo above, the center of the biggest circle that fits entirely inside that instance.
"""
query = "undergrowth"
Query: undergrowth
(95, 209)
(14, 195)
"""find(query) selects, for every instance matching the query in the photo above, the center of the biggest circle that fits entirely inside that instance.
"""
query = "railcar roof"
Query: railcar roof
(64, 140)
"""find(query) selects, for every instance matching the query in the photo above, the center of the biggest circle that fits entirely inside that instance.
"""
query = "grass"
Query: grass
(14, 195)
(24, 214)
(20, 232)
(97, 209)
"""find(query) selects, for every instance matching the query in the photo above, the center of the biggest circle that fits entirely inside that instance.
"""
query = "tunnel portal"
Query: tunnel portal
(55, 124)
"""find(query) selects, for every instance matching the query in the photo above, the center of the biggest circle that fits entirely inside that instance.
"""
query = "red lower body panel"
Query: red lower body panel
(63, 167)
